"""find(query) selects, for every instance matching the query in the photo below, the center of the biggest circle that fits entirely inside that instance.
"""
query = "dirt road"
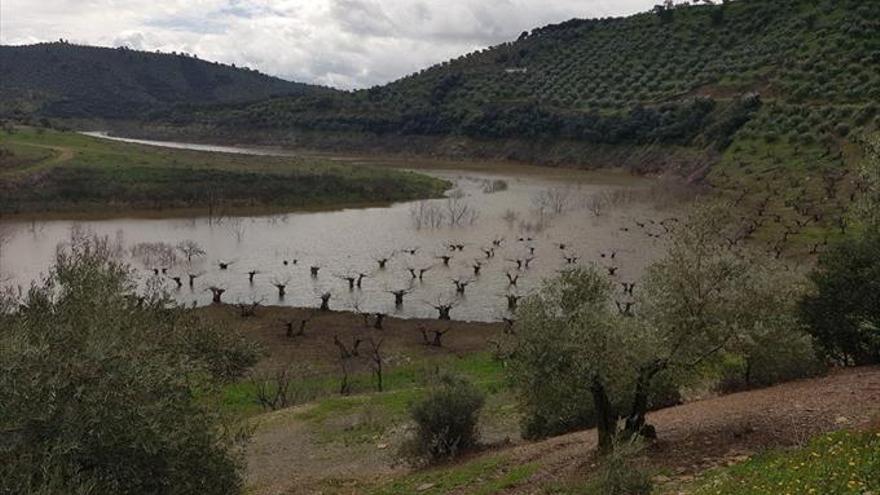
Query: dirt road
(285, 458)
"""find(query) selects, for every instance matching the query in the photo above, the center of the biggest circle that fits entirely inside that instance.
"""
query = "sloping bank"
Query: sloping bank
(51, 171)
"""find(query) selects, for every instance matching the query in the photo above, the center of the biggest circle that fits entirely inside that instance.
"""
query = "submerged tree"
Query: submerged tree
(191, 249)
(6, 234)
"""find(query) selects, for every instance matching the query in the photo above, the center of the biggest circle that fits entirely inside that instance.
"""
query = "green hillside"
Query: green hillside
(689, 76)
(49, 171)
(65, 80)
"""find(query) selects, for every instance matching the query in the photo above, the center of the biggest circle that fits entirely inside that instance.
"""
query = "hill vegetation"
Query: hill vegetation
(696, 76)
(73, 81)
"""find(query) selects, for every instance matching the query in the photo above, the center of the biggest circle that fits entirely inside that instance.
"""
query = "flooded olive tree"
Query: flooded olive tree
(495, 240)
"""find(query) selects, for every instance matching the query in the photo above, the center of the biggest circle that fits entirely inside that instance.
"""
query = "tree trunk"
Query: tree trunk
(635, 422)
(606, 416)
(748, 373)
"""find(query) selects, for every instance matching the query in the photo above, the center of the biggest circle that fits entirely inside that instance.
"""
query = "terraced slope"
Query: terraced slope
(689, 76)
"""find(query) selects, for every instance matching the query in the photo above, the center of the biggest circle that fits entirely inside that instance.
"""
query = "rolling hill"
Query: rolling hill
(73, 81)
(696, 77)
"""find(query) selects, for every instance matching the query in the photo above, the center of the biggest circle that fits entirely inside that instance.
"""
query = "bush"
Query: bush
(99, 388)
(843, 311)
(771, 354)
(778, 362)
(446, 421)
(494, 186)
(622, 471)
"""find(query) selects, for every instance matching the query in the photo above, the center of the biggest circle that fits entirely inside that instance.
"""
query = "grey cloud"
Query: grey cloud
(365, 17)
(344, 43)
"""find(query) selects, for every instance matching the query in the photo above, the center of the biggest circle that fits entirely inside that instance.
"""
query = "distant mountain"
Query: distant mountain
(689, 76)
(65, 80)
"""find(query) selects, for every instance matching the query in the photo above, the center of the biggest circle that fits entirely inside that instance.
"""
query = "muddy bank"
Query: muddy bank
(316, 344)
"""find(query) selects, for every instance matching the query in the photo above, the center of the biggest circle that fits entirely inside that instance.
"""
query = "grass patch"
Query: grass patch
(483, 476)
(367, 415)
(840, 463)
(72, 172)
(484, 371)
(16, 156)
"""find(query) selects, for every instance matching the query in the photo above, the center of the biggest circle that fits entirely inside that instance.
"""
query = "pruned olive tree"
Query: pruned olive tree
(99, 387)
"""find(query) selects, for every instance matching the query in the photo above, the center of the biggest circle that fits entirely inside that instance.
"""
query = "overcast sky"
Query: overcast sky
(341, 43)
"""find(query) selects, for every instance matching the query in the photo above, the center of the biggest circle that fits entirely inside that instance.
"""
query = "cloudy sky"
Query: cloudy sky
(341, 43)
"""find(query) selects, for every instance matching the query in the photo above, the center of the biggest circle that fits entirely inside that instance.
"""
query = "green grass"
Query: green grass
(842, 463)
(481, 369)
(71, 172)
(15, 156)
(365, 415)
(483, 476)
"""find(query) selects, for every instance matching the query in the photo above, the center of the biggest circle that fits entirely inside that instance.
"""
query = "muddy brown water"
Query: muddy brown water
(348, 242)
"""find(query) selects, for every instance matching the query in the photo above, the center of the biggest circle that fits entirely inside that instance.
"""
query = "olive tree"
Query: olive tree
(703, 299)
(102, 389)
(567, 334)
(699, 301)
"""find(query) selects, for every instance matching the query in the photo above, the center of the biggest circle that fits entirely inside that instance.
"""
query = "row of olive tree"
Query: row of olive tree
(577, 362)
(103, 390)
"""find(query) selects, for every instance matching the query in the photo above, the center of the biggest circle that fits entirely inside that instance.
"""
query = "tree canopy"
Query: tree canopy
(103, 390)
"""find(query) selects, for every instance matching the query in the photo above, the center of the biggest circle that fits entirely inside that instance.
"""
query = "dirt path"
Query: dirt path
(708, 433)
(285, 458)
(62, 154)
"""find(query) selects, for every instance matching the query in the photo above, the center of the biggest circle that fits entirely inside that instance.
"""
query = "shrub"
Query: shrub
(99, 389)
(779, 348)
(446, 421)
(622, 471)
(492, 186)
(791, 357)
(843, 311)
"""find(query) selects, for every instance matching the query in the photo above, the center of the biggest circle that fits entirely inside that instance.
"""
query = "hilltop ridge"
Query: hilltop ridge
(690, 76)
(74, 81)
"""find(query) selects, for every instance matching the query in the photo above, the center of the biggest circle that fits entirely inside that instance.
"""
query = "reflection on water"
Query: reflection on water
(542, 219)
